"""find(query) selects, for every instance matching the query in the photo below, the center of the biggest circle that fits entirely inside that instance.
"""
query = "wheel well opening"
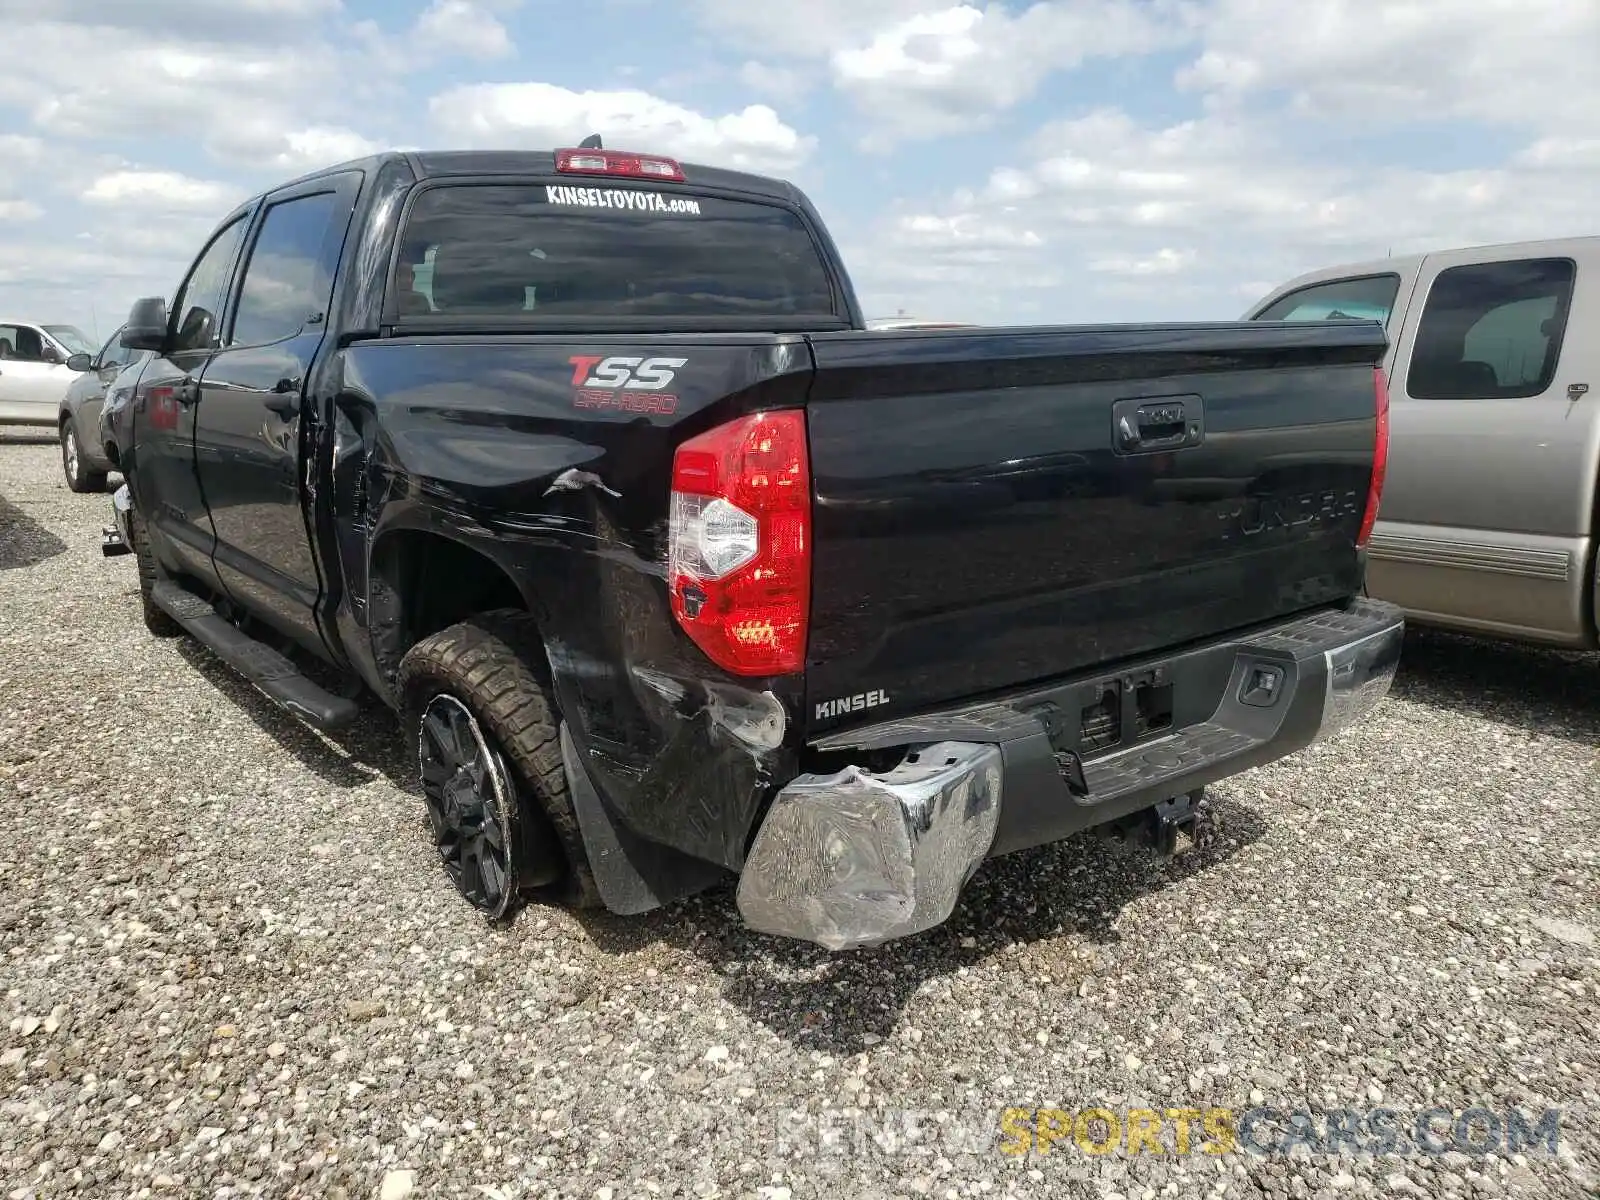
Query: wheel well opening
(424, 582)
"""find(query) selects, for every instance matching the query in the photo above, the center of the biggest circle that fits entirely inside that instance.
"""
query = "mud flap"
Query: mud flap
(633, 875)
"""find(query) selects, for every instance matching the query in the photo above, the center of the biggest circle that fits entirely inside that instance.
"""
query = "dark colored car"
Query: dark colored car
(84, 456)
(586, 465)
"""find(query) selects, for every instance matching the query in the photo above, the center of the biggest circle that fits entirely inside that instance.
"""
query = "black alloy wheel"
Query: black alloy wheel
(468, 793)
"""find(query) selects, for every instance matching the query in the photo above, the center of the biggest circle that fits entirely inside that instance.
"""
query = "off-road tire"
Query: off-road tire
(487, 662)
(79, 477)
(156, 619)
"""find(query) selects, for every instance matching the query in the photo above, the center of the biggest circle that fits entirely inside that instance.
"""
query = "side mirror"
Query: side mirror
(147, 325)
(51, 355)
(79, 362)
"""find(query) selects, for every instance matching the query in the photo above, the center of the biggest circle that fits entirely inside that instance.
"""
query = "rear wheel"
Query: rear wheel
(79, 477)
(490, 761)
(156, 619)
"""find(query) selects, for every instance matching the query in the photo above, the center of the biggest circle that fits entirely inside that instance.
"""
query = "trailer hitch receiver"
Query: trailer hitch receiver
(1159, 826)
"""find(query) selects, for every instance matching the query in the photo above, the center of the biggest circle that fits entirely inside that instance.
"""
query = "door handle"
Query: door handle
(282, 403)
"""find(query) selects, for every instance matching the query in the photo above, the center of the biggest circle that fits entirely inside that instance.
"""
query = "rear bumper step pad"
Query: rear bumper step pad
(1322, 670)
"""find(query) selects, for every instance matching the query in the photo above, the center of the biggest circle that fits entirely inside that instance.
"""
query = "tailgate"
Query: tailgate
(999, 507)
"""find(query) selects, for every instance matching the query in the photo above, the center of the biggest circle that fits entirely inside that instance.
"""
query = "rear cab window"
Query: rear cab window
(540, 252)
(1367, 298)
(1492, 331)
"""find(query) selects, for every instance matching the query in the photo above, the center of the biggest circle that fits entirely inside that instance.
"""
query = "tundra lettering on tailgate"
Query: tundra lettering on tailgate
(1281, 514)
(625, 383)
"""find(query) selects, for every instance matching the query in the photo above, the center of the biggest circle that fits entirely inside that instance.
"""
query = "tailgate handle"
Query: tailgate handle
(1148, 424)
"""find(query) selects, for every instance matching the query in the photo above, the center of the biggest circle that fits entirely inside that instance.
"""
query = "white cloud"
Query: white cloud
(1270, 179)
(780, 83)
(951, 70)
(1502, 62)
(17, 150)
(247, 99)
(1165, 261)
(541, 116)
(161, 191)
(111, 102)
(90, 281)
(263, 142)
(811, 30)
(462, 27)
(1188, 214)
(921, 68)
(320, 146)
(196, 20)
(1562, 153)
(155, 86)
(1297, 135)
(969, 229)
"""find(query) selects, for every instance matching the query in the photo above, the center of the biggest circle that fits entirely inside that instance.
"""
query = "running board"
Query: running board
(263, 666)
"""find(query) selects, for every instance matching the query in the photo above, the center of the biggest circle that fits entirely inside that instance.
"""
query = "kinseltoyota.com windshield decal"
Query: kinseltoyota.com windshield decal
(625, 198)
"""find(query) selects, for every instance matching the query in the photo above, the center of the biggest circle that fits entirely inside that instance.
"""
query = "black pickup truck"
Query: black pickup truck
(586, 465)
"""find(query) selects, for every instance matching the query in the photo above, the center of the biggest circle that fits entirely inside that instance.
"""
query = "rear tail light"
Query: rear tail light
(1380, 459)
(619, 163)
(739, 543)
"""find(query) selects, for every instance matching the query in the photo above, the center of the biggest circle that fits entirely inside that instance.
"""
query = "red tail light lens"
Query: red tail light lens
(1380, 459)
(739, 543)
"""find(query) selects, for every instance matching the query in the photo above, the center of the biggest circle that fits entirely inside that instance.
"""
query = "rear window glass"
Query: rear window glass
(580, 250)
(1491, 330)
(1370, 298)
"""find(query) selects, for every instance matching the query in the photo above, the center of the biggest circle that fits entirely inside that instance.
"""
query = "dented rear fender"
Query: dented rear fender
(480, 447)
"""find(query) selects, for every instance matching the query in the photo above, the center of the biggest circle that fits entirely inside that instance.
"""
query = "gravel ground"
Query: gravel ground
(232, 967)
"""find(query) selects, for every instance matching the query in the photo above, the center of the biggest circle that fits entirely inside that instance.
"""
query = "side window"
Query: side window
(1491, 330)
(21, 343)
(112, 354)
(199, 305)
(1369, 298)
(286, 280)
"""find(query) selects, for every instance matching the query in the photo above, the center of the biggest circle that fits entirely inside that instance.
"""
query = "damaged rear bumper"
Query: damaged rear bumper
(851, 859)
(854, 859)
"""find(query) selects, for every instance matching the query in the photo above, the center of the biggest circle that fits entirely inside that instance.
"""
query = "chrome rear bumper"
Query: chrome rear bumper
(855, 859)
